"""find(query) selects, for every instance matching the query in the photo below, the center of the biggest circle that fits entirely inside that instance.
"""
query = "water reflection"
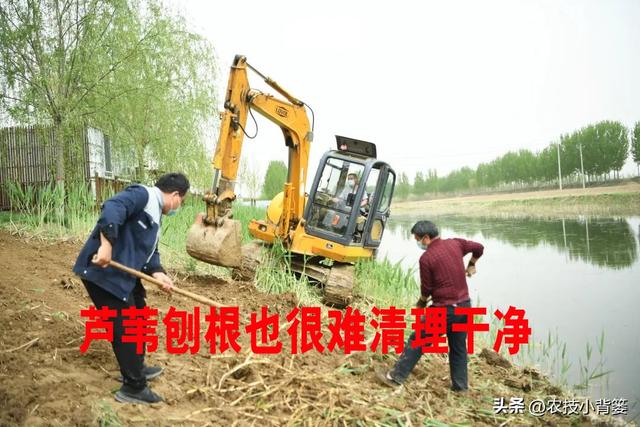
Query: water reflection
(604, 242)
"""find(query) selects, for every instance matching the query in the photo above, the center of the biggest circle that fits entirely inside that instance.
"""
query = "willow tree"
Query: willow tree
(251, 179)
(122, 65)
(159, 108)
(49, 56)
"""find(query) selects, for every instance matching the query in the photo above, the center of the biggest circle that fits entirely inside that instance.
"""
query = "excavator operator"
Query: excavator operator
(351, 186)
(337, 220)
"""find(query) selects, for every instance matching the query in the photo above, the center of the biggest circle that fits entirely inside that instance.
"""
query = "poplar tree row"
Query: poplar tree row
(599, 149)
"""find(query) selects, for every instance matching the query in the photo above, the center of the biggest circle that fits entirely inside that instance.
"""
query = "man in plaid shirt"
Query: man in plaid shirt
(442, 277)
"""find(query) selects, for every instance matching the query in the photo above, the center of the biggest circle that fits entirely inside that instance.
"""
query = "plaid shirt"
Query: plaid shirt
(442, 270)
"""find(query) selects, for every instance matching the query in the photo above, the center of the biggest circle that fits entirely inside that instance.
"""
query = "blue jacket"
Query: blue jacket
(130, 220)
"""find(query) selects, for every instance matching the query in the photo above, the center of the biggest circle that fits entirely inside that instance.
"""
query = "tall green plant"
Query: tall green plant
(403, 187)
(274, 179)
(37, 206)
(635, 145)
(159, 108)
(385, 283)
(274, 275)
(590, 368)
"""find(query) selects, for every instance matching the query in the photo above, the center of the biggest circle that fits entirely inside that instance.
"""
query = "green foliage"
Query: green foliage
(431, 182)
(604, 145)
(158, 106)
(635, 143)
(37, 207)
(274, 179)
(458, 179)
(245, 214)
(403, 187)
(418, 184)
(48, 52)
(106, 416)
(386, 283)
(548, 163)
(274, 275)
(589, 374)
(125, 66)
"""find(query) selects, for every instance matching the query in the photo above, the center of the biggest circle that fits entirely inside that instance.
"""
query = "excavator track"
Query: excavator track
(315, 272)
(338, 289)
(337, 281)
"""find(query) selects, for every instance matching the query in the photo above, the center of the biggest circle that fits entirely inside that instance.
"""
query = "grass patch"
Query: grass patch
(274, 275)
(48, 211)
(106, 416)
(592, 205)
(384, 283)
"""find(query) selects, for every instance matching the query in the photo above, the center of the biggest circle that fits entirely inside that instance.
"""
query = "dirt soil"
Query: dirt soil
(46, 380)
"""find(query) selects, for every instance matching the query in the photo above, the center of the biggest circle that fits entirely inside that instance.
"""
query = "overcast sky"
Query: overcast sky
(434, 84)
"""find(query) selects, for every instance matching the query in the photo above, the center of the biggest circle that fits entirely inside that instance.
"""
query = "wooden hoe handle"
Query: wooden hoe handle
(160, 284)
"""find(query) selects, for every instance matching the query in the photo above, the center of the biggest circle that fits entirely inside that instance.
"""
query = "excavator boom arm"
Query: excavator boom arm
(289, 115)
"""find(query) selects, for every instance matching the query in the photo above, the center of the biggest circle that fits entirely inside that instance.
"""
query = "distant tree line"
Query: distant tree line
(599, 149)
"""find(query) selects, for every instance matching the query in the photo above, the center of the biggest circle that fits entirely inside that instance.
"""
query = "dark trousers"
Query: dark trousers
(131, 364)
(457, 342)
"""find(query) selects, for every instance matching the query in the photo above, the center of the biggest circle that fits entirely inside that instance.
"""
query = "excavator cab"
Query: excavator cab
(349, 199)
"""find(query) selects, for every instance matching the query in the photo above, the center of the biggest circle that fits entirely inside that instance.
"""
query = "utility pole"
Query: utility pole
(559, 170)
(582, 167)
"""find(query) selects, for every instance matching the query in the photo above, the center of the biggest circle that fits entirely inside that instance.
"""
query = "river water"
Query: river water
(575, 277)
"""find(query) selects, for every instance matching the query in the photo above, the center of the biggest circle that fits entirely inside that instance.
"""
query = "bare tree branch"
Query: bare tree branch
(4, 95)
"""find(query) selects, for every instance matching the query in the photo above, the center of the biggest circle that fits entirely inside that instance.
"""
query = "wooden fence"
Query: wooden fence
(107, 186)
(28, 157)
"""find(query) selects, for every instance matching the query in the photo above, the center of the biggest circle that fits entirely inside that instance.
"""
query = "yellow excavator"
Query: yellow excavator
(342, 217)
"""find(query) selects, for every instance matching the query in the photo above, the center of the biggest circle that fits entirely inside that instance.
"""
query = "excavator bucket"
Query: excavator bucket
(218, 245)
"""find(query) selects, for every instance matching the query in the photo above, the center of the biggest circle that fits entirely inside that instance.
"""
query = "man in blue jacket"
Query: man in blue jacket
(128, 231)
